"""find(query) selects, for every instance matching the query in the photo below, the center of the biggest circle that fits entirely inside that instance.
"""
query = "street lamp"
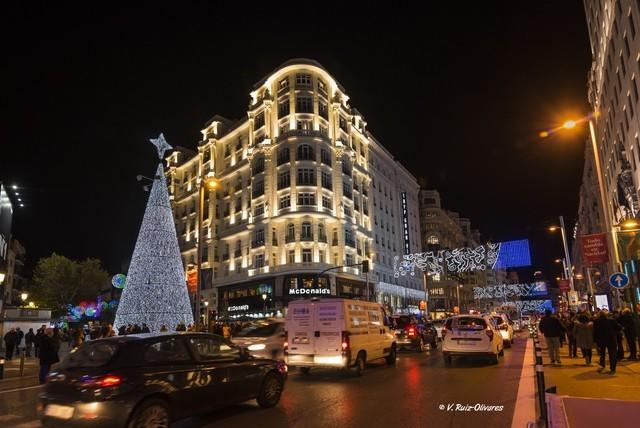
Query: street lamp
(568, 268)
(458, 294)
(24, 297)
(211, 183)
(264, 308)
(2, 275)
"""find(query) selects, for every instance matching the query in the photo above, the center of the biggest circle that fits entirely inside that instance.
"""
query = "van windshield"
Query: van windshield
(259, 330)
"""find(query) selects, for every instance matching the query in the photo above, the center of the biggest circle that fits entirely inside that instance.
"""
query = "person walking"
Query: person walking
(36, 343)
(583, 335)
(29, 339)
(48, 354)
(145, 328)
(605, 331)
(552, 329)
(628, 324)
(19, 336)
(77, 338)
(10, 343)
(571, 339)
(226, 331)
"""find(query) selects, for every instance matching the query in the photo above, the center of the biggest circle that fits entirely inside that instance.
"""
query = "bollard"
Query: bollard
(1, 367)
(21, 362)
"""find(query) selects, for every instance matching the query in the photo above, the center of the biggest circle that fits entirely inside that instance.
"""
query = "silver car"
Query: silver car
(264, 338)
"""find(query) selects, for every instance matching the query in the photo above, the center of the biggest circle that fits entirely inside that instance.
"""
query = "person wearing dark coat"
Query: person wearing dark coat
(10, 343)
(145, 328)
(19, 335)
(122, 330)
(29, 339)
(552, 329)
(37, 340)
(628, 324)
(583, 334)
(48, 354)
(605, 332)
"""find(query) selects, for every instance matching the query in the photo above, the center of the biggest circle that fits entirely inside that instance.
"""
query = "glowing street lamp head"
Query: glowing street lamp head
(544, 134)
(24, 296)
(211, 182)
(558, 260)
(569, 124)
(553, 228)
(630, 224)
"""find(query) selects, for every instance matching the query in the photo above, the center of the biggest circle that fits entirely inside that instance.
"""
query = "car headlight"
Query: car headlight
(257, 347)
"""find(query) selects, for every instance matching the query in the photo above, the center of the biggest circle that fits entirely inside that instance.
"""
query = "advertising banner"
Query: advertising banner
(192, 280)
(629, 244)
(594, 248)
(564, 285)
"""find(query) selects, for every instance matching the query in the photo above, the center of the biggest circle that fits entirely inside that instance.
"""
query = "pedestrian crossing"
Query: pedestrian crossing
(16, 421)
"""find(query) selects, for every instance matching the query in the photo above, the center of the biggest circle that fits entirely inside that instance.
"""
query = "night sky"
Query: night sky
(457, 94)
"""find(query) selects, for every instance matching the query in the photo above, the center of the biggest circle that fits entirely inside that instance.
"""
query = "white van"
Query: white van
(341, 333)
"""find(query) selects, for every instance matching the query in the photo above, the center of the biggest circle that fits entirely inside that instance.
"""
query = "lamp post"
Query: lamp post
(264, 307)
(568, 267)
(206, 315)
(458, 287)
(207, 182)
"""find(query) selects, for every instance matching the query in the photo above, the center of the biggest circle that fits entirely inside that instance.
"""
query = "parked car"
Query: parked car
(471, 336)
(339, 333)
(152, 379)
(503, 324)
(264, 338)
(410, 333)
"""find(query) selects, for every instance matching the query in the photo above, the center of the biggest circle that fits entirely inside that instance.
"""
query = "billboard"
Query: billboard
(594, 248)
(513, 254)
(6, 216)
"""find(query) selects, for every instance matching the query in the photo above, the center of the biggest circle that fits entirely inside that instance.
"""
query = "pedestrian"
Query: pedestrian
(77, 338)
(552, 329)
(19, 336)
(628, 324)
(110, 331)
(56, 338)
(29, 339)
(605, 331)
(163, 329)
(136, 329)
(36, 343)
(122, 330)
(619, 335)
(10, 343)
(583, 335)
(571, 340)
(145, 328)
(48, 354)
(181, 327)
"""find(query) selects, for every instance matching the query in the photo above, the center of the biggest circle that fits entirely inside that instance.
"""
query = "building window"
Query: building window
(258, 210)
(346, 190)
(292, 256)
(347, 211)
(326, 180)
(258, 261)
(325, 157)
(258, 165)
(349, 239)
(283, 128)
(343, 123)
(283, 84)
(346, 168)
(349, 260)
(304, 105)
(306, 177)
(304, 125)
(323, 130)
(258, 189)
(306, 199)
(433, 240)
(307, 256)
(323, 110)
(321, 232)
(322, 87)
(283, 108)
(258, 237)
(238, 204)
(305, 152)
(627, 51)
(303, 80)
(291, 231)
(285, 201)
(326, 202)
(284, 180)
(258, 121)
(283, 155)
(306, 233)
(321, 256)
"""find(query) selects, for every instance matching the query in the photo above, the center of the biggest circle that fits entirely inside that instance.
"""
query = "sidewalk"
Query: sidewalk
(586, 398)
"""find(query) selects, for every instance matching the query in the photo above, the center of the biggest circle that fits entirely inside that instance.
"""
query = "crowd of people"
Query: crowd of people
(605, 331)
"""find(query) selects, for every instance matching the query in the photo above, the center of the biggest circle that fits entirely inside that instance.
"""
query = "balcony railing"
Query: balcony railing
(300, 133)
(306, 237)
(257, 243)
(237, 253)
(289, 238)
(322, 238)
(225, 257)
(350, 243)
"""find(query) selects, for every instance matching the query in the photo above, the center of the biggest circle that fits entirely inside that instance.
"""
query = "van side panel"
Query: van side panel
(299, 325)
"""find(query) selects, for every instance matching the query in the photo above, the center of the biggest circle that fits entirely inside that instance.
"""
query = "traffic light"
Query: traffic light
(365, 266)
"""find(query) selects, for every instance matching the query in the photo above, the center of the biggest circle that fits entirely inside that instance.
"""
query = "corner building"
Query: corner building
(303, 187)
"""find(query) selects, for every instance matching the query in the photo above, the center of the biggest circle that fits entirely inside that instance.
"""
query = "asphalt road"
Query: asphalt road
(408, 394)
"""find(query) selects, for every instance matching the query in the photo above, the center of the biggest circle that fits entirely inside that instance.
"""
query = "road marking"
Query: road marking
(20, 389)
(525, 407)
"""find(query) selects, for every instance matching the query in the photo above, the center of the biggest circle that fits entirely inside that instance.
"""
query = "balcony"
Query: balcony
(350, 243)
(306, 238)
(237, 253)
(322, 238)
(300, 133)
(225, 257)
(257, 243)
(289, 238)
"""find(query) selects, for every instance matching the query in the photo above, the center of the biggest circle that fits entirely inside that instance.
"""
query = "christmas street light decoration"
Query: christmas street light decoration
(156, 291)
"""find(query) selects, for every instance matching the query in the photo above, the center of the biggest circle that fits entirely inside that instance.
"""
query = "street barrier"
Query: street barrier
(540, 384)
(1, 368)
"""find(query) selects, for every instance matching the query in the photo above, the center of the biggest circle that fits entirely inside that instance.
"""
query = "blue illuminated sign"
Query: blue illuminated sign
(513, 254)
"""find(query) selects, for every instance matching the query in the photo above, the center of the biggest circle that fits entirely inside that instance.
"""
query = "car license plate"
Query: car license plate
(57, 411)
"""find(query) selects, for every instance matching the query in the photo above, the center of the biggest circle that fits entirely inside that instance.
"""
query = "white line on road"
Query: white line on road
(20, 389)
(525, 410)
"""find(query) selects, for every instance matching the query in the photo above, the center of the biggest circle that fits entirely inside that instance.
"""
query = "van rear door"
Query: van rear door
(329, 321)
(299, 325)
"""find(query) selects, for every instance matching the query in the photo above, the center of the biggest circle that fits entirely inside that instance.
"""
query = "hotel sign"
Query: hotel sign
(405, 223)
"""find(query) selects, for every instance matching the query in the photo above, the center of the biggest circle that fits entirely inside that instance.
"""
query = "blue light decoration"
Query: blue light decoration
(119, 281)
(513, 254)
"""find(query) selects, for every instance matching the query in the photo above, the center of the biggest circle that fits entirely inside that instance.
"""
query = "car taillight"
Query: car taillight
(106, 381)
(411, 331)
(346, 343)
(489, 332)
(286, 342)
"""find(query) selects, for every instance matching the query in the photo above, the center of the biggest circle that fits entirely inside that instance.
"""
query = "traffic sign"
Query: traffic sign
(618, 280)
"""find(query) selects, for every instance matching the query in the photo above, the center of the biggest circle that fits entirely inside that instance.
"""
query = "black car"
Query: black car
(410, 332)
(152, 379)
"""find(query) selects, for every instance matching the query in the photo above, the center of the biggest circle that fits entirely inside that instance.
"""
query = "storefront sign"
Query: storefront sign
(405, 223)
(594, 248)
(238, 308)
(309, 291)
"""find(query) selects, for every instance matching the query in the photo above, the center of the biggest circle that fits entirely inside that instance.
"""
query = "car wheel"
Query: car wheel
(507, 344)
(152, 413)
(305, 370)
(501, 353)
(270, 391)
(358, 368)
(391, 358)
(421, 347)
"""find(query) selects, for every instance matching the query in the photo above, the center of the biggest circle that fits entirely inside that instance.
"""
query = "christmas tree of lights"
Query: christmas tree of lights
(156, 291)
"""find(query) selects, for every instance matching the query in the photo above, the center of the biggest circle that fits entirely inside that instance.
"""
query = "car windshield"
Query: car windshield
(259, 330)
(498, 320)
(469, 323)
(401, 322)
(92, 354)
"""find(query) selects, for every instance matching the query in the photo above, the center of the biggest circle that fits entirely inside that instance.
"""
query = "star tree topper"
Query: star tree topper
(161, 144)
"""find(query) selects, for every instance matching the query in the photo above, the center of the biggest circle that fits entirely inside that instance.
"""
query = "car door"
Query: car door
(213, 383)
(170, 366)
